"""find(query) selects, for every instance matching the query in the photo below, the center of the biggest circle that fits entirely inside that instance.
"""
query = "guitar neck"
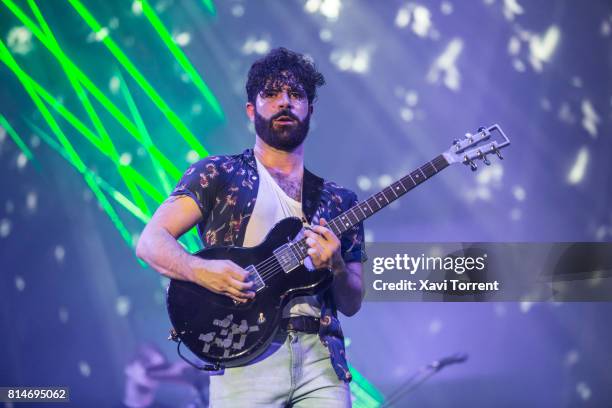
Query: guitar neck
(380, 200)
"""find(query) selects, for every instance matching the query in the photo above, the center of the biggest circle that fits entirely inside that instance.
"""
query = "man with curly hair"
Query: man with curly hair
(235, 200)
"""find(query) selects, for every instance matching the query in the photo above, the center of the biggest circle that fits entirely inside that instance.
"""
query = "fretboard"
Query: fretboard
(377, 202)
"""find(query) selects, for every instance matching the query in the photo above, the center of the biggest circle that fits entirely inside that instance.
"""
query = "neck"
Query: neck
(280, 160)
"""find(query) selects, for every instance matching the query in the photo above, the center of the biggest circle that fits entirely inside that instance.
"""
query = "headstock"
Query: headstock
(477, 146)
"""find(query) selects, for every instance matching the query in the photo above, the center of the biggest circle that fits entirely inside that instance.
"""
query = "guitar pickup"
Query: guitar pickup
(287, 258)
(258, 283)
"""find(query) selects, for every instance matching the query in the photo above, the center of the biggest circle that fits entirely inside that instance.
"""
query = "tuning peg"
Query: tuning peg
(470, 163)
(457, 144)
(497, 152)
(483, 157)
(481, 129)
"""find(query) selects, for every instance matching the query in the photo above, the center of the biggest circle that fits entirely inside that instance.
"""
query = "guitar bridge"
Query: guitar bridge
(258, 283)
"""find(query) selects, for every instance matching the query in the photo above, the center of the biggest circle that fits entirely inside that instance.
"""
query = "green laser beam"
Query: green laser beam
(210, 6)
(107, 187)
(140, 79)
(12, 64)
(16, 138)
(109, 147)
(70, 152)
(163, 178)
(368, 395)
(183, 61)
(104, 185)
(28, 82)
(93, 89)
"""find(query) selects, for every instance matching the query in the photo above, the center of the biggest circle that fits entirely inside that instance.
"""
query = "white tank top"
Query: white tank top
(271, 206)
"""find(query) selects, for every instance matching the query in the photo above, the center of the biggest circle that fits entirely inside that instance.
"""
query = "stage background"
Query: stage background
(103, 104)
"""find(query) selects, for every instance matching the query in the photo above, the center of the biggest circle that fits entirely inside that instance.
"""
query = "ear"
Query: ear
(250, 111)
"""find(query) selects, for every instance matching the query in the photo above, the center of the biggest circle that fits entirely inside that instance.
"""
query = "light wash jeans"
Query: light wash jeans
(294, 372)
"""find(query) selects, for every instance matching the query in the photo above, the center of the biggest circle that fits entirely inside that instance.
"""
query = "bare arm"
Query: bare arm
(158, 247)
(348, 287)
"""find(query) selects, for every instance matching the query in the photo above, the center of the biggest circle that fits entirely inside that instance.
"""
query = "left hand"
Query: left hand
(324, 246)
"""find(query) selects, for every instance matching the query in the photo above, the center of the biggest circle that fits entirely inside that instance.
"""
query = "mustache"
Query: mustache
(287, 113)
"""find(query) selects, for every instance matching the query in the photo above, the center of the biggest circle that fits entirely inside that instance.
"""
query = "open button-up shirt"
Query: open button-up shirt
(225, 189)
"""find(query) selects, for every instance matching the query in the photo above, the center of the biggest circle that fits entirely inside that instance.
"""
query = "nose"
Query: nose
(284, 101)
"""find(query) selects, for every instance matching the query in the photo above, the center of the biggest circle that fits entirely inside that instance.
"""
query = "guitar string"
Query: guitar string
(272, 269)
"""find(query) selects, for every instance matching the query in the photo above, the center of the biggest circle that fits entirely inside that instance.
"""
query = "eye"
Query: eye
(269, 93)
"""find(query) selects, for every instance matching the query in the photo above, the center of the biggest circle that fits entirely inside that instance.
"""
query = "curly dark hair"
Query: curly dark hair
(275, 65)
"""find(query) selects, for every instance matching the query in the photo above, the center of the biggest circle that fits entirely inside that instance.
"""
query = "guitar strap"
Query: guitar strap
(311, 196)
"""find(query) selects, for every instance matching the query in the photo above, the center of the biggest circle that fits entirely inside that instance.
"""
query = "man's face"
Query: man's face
(282, 114)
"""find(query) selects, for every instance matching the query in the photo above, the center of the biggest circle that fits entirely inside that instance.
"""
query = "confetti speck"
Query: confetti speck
(84, 369)
(19, 283)
(583, 390)
(63, 314)
(21, 160)
(59, 253)
(5, 227)
(364, 183)
(578, 170)
(32, 201)
(384, 180)
(122, 305)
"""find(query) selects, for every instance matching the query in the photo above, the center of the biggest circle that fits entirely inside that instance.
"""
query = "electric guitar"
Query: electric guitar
(224, 333)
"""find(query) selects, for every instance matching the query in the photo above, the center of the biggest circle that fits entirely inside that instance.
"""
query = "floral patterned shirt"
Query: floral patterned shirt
(225, 189)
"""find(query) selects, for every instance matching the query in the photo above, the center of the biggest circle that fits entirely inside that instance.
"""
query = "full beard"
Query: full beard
(282, 137)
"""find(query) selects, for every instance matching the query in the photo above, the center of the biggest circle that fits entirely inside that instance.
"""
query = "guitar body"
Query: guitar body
(218, 330)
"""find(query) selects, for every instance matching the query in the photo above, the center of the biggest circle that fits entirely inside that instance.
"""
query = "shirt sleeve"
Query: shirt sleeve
(352, 241)
(199, 182)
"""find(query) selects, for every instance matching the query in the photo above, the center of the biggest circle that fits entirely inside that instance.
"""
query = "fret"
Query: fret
(428, 169)
(334, 226)
(434, 165)
(414, 184)
(418, 179)
(398, 187)
(301, 247)
(304, 247)
(346, 222)
(421, 170)
(351, 212)
(362, 208)
(439, 163)
(385, 196)
(377, 201)
(401, 181)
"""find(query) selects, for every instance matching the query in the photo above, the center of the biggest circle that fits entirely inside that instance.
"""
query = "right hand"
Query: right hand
(223, 277)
